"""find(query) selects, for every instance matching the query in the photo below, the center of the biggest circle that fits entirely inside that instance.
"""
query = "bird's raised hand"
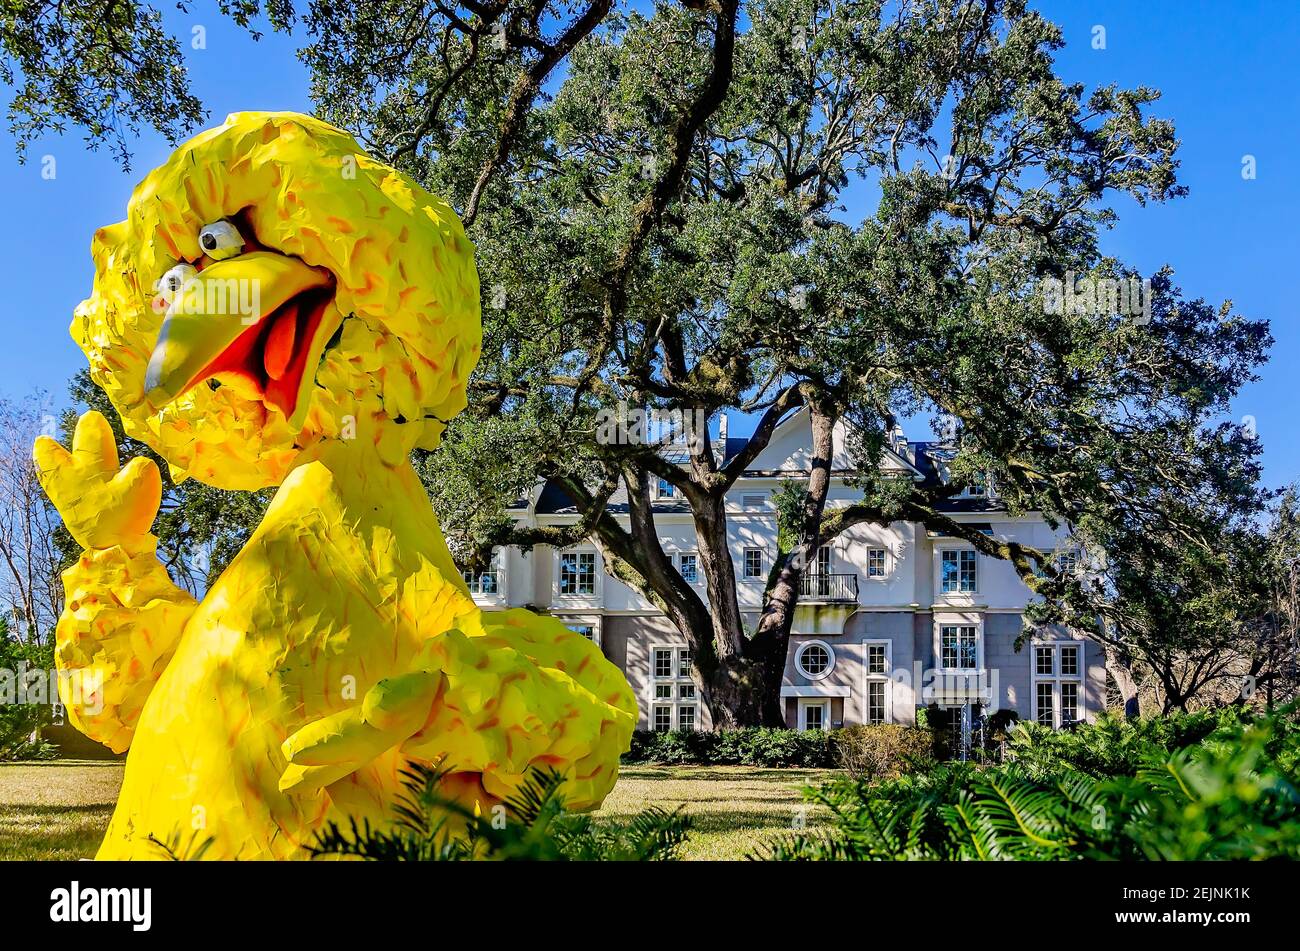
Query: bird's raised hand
(101, 504)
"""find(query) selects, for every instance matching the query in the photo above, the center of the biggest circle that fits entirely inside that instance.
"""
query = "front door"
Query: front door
(814, 714)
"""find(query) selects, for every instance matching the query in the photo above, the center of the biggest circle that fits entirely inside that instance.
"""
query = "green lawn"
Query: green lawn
(59, 810)
(55, 810)
(734, 809)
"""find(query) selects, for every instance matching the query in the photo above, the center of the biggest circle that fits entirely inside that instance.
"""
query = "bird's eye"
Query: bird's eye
(171, 283)
(220, 240)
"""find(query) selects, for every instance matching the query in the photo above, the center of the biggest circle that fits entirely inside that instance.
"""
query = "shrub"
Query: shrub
(767, 747)
(1233, 796)
(884, 751)
(1113, 746)
(429, 827)
(19, 722)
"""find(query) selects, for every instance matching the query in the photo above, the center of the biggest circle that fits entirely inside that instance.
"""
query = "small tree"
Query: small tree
(31, 558)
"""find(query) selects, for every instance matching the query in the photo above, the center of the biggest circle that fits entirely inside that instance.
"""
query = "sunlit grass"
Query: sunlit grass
(735, 810)
(56, 810)
(59, 810)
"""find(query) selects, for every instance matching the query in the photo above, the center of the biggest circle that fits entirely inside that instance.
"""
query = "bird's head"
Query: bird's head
(273, 287)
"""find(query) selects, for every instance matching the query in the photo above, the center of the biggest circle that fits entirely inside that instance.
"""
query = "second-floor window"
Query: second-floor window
(689, 566)
(958, 571)
(578, 572)
(667, 490)
(957, 646)
(1058, 683)
(876, 563)
(485, 582)
(753, 566)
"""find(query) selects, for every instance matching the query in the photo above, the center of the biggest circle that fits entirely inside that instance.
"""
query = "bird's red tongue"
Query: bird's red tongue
(272, 354)
(277, 351)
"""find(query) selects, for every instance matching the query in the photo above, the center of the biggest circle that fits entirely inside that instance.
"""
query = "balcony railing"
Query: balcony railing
(817, 586)
(484, 583)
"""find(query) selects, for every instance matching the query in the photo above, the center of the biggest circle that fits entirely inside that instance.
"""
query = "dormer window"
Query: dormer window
(978, 487)
(1067, 562)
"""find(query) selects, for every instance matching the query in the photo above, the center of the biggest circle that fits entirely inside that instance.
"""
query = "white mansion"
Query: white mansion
(890, 618)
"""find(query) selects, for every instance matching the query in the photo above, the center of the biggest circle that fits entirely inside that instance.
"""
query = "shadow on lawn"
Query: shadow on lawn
(722, 774)
(52, 832)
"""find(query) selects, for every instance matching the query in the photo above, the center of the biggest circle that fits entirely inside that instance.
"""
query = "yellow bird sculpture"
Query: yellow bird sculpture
(280, 309)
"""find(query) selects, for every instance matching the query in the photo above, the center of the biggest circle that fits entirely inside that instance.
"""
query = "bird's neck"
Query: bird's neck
(376, 493)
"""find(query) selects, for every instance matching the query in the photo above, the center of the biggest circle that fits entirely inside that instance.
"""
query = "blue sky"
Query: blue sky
(1228, 74)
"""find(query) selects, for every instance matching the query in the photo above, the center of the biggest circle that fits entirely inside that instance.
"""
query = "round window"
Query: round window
(815, 659)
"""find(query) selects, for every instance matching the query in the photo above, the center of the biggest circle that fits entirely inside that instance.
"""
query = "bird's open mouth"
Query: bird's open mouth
(259, 322)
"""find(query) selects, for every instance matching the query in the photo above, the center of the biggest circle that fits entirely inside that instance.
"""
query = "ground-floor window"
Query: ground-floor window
(876, 664)
(1069, 702)
(1058, 683)
(675, 702)
(876, 712)
(1046, 697)
(958, 646)
(588, 627)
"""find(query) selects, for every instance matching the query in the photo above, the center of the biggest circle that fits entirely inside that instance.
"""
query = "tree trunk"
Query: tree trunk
(770, 643)
(719, 576)
(742, 693)
(1121, 670)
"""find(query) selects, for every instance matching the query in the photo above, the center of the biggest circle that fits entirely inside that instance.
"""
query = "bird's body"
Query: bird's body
(341, 644)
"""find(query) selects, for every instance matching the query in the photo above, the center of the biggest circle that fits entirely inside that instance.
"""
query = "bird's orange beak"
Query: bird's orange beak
(261, 319)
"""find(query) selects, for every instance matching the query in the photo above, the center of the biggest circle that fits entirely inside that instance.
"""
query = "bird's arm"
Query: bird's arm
(122, 615)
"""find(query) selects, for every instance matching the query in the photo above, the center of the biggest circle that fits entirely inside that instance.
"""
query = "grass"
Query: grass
(56, 810)
(59, 810)
(734, 809)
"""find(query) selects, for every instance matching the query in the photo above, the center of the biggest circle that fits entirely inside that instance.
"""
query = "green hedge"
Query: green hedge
(757, 746)
(775, 748)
